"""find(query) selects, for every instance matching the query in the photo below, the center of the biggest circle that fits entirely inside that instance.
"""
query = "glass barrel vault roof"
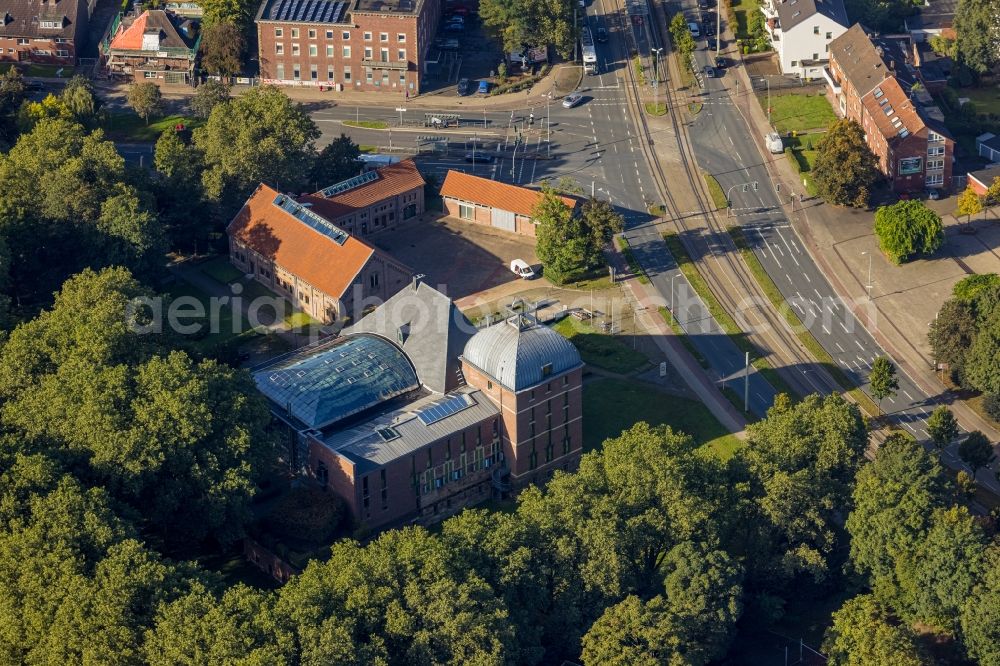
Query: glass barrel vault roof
(321, 387)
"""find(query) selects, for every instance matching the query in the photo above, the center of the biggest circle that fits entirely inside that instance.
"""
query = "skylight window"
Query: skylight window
(889, 111)
(878, 93)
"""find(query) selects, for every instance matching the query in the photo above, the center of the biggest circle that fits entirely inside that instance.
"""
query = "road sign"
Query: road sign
(400, 109)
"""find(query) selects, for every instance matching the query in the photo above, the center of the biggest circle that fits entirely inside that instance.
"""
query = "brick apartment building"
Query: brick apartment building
(409, 416)
(43, 31)
(870, 80)
(366, 45)
(492, 203)
(156, 46)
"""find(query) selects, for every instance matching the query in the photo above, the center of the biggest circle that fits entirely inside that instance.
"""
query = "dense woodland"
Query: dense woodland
(124, 455)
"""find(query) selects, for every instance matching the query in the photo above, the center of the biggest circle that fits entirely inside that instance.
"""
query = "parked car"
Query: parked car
(720, 62)
(463, 87)
(484, 88)
(702, 5)
(521, 269)
(774, 143)
(484, 158)
(695, 30)
(571, 100)
(454, 27)
(710, 27)
(602, 35)
(709, 71)
(456, 19)
(711, 43)
(450, 45)
(933, 194)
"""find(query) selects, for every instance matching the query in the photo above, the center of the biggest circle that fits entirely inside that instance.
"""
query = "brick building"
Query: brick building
(153, 46)
(409, 416)
(870, 80)
(347, 44)
(376, 201)
(492, 203)
(43, 31)
(320, 268)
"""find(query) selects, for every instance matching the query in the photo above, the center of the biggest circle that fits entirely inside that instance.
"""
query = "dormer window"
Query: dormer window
(55, 25)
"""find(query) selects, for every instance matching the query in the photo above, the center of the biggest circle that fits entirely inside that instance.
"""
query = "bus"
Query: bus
(588, 50)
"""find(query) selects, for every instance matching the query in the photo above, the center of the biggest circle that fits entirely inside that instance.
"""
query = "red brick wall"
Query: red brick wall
(522, 224)
(418, 31)
(385, 215)
(30, 52)
(268, 562)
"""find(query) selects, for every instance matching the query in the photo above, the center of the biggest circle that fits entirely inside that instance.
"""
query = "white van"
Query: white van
(521, 269)
(695, 30)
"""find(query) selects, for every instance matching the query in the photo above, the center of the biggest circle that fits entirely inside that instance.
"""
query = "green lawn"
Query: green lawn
(803, 161)
(598, 349)
(798, 113)
(367, 124)
(213, 334)
(130, 127)
(715, 191)
(658, 109)
(984, 100)
(612, 405)
(221, 270)
(44, 71)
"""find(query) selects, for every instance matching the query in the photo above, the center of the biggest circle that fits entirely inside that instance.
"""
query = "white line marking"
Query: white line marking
(839, 347)
(818, 295)
(860, 346)
(843, 327)
(907, 394)
(826, 329)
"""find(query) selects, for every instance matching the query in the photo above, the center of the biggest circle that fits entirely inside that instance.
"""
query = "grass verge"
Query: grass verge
(658, 109)
(612, 405)
(695, 108)
(600, 350)
(715, 191)
(794, 112)
(633, 263)
(725, 321)
(130, 127)
(367, 124)
(807, 339)
(40, 70)
(640, 75)
(685, 340)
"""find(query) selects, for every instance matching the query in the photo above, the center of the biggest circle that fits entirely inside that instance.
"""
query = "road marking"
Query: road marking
(844, 363)
(839, 347)
(926, 434)
(818, 295)
(780, 251)
(860, 346)
(843, 327)
(806, 276)
(826, 329)
(907, 394)
(912, 429)
(855, 364)
(792, 254)
(788, 278)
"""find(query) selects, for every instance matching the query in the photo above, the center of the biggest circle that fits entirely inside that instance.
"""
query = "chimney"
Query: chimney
(417, 279)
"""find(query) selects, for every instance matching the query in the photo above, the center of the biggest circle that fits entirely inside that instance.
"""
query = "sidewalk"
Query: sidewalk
(560, 81)
(682, 361)
(906, 298)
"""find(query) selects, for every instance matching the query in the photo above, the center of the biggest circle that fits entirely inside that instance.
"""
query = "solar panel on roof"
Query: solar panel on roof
(311, 219)
(444, 408)
(349, 184)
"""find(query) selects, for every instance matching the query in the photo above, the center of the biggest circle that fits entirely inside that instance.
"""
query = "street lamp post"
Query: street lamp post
(401, 111)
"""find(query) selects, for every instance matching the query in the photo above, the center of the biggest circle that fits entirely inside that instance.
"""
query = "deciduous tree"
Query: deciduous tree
(145, 99)
(207, 96)
(981, 614)
(976, 451)
(80, 99)
(260, 136)
(978, 33)
(906, 228)
(602, 220)
(222, 47)
(982, 362)
(952, 332)
(864, 634)
(339, 160)
(883, 380)
(563, 243)
(969, 204)
(942, 427)
(845, 170)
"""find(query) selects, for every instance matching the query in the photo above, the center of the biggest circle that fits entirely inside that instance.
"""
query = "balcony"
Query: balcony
(769, 10)
(831, 82)
(402, 65)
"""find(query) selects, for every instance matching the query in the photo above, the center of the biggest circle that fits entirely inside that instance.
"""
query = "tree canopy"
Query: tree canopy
(845, 169)
(864, 634)
(978, 34)
(520, 24)
(908, 228)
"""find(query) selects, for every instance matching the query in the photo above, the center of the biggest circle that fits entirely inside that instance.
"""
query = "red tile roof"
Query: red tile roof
(900, 108)
(393, 180)
(129, 35)
(314, 257)
(486, 192)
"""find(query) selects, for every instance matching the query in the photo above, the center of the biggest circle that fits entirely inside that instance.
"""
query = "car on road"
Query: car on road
(463, 87)
(720, 62)
(484, 158)
(710, 27)
(571, 100)
(709, 72)
(602, 35)
(695, 30)
(712, 44)
(484, 88)
(702, 5)
(521, 269)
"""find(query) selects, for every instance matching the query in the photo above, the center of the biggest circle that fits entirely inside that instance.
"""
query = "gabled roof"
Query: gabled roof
(893, 113)
(316, 257)
(985, 176)
(428, 327)
(867, 59)
(494, 194)
(793, 12)
(23, 18)
(129, 36)
(383, 183)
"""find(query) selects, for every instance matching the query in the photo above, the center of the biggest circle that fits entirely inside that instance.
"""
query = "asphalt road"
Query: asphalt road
(724, 147)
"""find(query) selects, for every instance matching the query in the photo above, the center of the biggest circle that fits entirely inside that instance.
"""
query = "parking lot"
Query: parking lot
(468, 52)
(458, 258)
